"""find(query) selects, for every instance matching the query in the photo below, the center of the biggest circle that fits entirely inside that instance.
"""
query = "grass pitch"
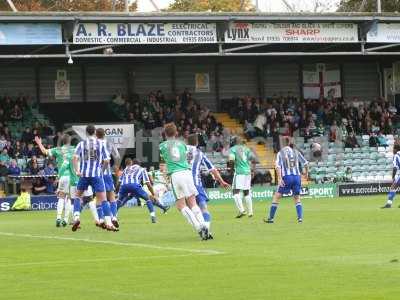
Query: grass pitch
(347, 248)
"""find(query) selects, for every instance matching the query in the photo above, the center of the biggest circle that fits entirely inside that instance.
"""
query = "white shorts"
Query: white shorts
(65, 187)
(241, 182)
(159, 190)
(183, 185)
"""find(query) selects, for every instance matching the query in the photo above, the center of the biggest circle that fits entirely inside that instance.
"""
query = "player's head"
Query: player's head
(162, 167)
(286, 141)
(170, 130)
(66, 139)
(136, 162)
(193, 140)
(128, 162)
(90, 130)
(100, 133)
(396, 148)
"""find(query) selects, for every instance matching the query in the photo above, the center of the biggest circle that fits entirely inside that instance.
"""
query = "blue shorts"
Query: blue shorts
(292, 184)
(109, 183)
(97, 184)
(202, 197)
(133, 189)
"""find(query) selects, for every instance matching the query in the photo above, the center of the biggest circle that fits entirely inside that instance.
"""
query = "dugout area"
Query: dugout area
(96, 73)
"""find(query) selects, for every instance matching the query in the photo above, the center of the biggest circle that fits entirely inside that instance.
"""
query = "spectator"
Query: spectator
(333, 132)
(13, 169)
(348, 176)
(3, 174)
(29, 151)
(4, 158)
(33, 166)
(49, 181)
(351, 141)
(259, 124)
(249, 130)
(38, 186)
(316, 150)
(382, 142)
(16, 113)
(373, 140)
(46, 130)
(3, 142)
(27, 136)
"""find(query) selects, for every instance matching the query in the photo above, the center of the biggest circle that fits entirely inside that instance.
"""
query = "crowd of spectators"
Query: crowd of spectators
(340, 119)
(190, 117)
(18, 152)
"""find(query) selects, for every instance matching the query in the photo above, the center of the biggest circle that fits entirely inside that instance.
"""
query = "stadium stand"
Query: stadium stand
(20, 122)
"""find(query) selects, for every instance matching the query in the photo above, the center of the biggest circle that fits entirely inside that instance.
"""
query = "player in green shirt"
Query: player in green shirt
(67, 179)
(174, 153)
(160, 181)
(241, 159)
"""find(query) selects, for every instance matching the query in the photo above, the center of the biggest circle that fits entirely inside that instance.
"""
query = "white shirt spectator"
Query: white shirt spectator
(260, 121)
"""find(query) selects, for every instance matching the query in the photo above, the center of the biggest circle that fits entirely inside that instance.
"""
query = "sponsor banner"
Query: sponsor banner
(30, 34)
(145, 33)
(48, 202)
(292, 33)
(262, 193)
(202, 82)
(360, 189)
(120, 135)
(384, 33)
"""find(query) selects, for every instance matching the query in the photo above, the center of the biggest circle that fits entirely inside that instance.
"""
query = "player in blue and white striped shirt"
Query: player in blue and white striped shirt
(131, 182)
(198, 160)
(289, 163)
(89, 160)
(395, 176)
(107, 177)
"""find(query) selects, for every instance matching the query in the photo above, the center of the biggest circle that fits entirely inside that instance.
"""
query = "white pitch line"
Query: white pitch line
(115, 243)
(83, 261)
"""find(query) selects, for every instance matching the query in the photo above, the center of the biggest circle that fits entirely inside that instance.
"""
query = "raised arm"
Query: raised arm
(38, 141)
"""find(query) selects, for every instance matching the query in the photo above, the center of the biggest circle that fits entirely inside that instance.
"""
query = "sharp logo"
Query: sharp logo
(5, 206)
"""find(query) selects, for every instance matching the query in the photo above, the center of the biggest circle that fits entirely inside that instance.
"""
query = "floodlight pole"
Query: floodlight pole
(379, 6)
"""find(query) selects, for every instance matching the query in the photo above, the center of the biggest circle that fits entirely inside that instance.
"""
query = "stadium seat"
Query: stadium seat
(387, 177)
(382, 149)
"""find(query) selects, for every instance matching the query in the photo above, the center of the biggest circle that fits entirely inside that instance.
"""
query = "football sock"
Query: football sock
(272, 211)
(150, 206)
(100, 212)
(249, 204)
(238, 202)
(299, 210)
(207, 219)
(121, 202)
(60, 208)
(68, 209)
(191, 218)
(93, 210)
(158, 204)
(114, 209)
(107, 212)
(77, 208)
(391, 196)
(198, 214)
